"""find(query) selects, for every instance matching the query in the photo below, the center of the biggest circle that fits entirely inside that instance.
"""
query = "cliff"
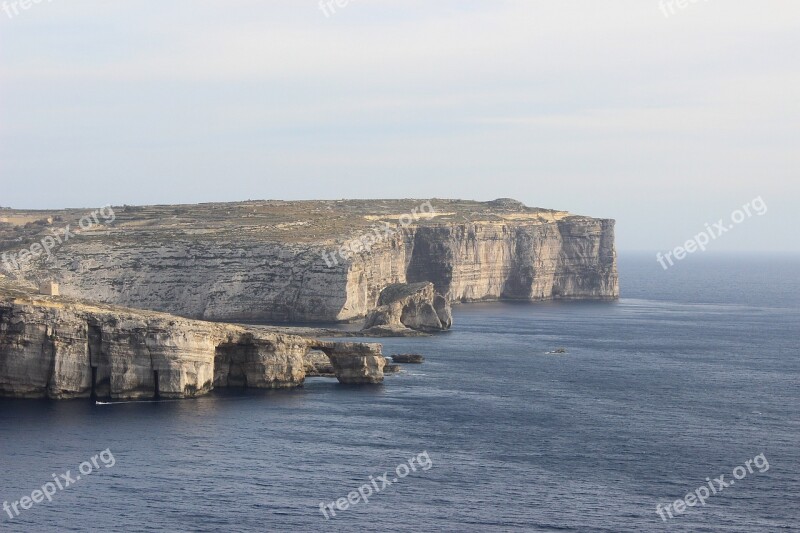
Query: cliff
(316, 261)
(55, 347)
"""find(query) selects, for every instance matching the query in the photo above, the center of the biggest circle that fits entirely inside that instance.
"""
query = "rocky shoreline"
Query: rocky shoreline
(132, 324)
(61, 348)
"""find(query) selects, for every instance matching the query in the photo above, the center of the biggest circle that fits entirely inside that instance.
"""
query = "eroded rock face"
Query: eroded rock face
(260, 362)
(318, 363)
(415, 306)
(355, 363)
(570, 257)
(390, 367)
(273, 261)
(58, 348)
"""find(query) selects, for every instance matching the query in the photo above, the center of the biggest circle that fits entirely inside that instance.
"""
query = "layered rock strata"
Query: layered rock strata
(319, 261)
(58, 348)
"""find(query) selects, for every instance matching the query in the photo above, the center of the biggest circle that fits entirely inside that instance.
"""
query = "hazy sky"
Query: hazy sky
(606, 108)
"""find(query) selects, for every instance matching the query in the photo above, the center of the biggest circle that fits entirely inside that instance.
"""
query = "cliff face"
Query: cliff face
(570, 258)
(55, 348)
(277, 262)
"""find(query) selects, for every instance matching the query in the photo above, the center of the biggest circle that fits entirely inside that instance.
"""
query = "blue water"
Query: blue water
(694, 372)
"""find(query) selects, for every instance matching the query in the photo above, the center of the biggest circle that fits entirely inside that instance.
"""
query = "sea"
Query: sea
(676, 408)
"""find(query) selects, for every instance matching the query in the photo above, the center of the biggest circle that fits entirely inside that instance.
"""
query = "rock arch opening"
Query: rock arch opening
(231, 362)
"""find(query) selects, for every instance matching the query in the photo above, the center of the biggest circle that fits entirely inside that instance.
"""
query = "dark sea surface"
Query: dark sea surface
(695, 371)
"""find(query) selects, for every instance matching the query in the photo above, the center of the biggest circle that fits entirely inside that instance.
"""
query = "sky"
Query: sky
(663, 118)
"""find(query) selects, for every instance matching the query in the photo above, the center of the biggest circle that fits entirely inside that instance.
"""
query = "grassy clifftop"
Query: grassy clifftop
(267, 220)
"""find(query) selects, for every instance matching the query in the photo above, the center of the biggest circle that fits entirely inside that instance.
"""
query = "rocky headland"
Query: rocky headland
(273, 262)
(144, 290)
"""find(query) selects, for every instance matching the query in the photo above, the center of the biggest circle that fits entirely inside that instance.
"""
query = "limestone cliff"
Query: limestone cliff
(278, 261)
(52, 347)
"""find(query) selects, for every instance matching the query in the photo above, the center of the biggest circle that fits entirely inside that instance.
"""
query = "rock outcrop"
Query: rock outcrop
(409, 358)
(58, 348)
(391, 368)
(273, 262)
(355, 363)
(414, 306)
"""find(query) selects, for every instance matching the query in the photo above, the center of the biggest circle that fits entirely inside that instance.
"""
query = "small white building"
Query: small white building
(49, 288)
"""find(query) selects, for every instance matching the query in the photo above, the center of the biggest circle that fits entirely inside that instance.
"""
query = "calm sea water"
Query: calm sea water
(695, 371)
